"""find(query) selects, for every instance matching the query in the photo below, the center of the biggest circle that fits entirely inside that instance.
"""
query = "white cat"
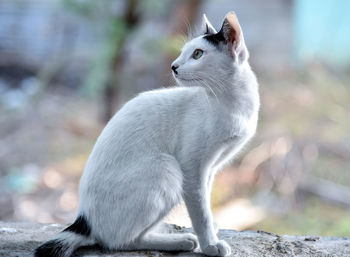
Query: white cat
(166, 145)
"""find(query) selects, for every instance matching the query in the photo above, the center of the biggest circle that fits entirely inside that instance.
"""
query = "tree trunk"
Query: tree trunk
(111, 90)
(185, 14)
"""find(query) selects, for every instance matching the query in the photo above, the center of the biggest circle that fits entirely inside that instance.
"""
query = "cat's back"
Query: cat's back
(148, 117)
(152, 106)
(165, 99)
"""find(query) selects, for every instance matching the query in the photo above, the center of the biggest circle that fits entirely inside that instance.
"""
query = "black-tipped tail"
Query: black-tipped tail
(80, 226)
(52, 248)
(67, 241)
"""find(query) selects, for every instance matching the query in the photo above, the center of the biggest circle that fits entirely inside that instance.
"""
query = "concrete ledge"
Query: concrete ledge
(20, 239)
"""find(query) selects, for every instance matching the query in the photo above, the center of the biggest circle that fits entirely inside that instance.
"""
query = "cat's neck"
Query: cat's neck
(236, 93)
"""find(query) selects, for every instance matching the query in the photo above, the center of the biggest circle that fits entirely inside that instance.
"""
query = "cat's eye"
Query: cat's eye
(197, 54)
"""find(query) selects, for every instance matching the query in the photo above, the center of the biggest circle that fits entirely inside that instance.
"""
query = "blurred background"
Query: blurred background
(66, 66)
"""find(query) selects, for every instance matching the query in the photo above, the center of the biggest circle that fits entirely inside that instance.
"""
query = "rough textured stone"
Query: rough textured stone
(20, 239)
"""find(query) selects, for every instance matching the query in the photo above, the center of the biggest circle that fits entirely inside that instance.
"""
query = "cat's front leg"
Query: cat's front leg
(197, 199)
(210, 186)
(216, 227)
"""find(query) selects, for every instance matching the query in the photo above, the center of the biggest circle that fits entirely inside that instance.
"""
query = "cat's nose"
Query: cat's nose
(174, 68)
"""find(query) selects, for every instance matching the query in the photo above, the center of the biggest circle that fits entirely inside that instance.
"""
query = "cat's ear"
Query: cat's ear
(206, 27)
(233, 35)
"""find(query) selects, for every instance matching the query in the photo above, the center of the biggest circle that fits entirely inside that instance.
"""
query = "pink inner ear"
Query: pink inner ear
(235, 31)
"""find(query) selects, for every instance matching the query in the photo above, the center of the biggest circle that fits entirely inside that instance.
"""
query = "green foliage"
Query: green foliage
(114, 31)
(317, 218)
(154, 7)
(84, 8)
(172, 45)
(315, 107)
(98, 10)
(101, 69)
(312, 110)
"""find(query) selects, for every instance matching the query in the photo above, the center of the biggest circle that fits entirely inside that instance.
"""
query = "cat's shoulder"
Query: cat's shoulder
(170, 91)
(170, 95)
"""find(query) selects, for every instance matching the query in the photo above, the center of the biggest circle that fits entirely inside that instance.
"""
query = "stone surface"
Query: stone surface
(20, 239)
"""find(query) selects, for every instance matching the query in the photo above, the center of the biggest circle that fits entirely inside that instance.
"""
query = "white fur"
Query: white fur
(165, 145)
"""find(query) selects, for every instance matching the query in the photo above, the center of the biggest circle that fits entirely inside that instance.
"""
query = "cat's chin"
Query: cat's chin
(187, 81)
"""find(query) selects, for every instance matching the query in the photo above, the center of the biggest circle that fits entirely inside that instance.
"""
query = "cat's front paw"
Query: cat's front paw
(221, 248)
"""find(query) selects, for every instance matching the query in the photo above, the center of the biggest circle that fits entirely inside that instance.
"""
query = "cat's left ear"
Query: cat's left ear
(206, 27)
(233, 35)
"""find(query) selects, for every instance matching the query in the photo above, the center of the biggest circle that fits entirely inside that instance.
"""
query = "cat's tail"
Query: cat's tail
(64, 244)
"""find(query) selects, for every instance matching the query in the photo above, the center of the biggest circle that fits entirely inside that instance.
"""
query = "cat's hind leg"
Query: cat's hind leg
(165, 242)
(125, 217)
(158, 235)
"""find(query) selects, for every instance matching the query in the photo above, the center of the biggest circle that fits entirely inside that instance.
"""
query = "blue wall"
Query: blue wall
(322, 31)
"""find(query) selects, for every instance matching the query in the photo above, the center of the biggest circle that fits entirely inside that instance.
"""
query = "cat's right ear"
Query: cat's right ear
(206, 27)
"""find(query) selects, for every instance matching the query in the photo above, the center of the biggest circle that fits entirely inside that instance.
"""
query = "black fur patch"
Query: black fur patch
(80, 226)
(52, 248)
(215, 39)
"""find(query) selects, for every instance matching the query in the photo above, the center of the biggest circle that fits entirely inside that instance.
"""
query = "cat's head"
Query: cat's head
(213, 56)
